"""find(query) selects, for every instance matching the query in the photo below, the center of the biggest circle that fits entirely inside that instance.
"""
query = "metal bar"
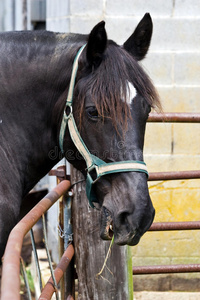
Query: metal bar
(36, 259)
(67, 284)
(49, 257)
(49, 288)
(23, 271)
(60, 173)
(68, 238)
(143, 270)
(61, 243)
(68, 232)
(61, 224)
(168, 226)
(175, 117)
(177, 175)
(10, 285)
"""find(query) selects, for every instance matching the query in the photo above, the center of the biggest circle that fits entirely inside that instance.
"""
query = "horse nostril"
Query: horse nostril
(122, 219)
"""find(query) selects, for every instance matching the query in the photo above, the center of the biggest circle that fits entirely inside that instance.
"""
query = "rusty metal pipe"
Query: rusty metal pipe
(177, 175)
(175, 117)
(143, 270)
(168, 226)
(10, 286)
(49, 288)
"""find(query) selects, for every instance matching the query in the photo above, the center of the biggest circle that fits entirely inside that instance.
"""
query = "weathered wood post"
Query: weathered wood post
(90, 252)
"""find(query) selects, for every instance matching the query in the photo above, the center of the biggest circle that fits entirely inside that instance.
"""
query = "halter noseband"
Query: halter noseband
(93, 163)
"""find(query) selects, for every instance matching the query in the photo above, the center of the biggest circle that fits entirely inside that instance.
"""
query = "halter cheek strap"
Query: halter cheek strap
(95, 166)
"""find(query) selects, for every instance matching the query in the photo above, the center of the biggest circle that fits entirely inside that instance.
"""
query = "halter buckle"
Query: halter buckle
(68, 111)
(92, 172)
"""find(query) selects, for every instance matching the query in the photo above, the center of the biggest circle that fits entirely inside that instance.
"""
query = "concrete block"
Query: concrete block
(175, 204)
(152, 243)
(159, 67)
(152, 283)
(166, 282)
(2, 15)
(186, 8)
(161, 199)
(156, 186)
(120, 28)
(186, 283)
(186, 138)
(86, 8)
(58, 25)
(187, 68)
(58, 16)
(57, 8)
(83, 25)
(176, 34)
(185, 260)
(148, 261)
(138, 7)
(18, 15)
(183, 245)
(169, 244)
(166, 295)
(184, 204)
(180, 98)
(158, 138)
(167, 162)
(170, 34)
(182, 184)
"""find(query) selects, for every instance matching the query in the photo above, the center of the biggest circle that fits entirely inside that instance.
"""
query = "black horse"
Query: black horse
(112, 99)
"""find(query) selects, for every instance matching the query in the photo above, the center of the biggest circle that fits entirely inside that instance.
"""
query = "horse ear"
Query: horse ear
(96, 45)
(138, 43)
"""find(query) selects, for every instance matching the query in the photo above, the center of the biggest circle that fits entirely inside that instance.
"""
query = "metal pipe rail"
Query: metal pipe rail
(158, 176)
(176, 175)
(49, 288)
(174, 117)
(166, 269)
(181, 118)
(169, 226)
(10, 286)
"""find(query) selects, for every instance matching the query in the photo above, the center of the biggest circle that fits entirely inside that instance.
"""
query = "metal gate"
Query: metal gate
(170, 226)
(10, 287)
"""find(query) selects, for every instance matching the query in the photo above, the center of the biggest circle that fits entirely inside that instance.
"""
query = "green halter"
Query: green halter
(93, 163)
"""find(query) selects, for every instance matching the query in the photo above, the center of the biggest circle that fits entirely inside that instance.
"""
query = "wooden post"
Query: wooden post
(90, 252)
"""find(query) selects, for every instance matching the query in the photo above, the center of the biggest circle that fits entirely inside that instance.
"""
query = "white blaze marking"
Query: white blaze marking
(131, 93)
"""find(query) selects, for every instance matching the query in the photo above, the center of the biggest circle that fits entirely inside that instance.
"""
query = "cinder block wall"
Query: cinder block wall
(174, 65)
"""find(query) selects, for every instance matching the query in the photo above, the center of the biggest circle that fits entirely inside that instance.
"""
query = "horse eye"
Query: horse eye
(146, 106)
(92, 112)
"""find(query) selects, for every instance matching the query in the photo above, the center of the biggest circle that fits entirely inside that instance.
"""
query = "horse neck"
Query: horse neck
(33, 132)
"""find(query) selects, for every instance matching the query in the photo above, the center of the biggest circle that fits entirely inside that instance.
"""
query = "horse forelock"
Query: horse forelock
(109, 86)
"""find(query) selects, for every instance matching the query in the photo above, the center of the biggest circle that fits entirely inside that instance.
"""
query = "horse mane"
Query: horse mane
(107, 85)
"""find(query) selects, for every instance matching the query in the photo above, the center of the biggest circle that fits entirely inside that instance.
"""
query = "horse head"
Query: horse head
(112, 99)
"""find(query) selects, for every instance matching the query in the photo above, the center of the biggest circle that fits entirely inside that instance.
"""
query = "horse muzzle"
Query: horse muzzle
(125, 233)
